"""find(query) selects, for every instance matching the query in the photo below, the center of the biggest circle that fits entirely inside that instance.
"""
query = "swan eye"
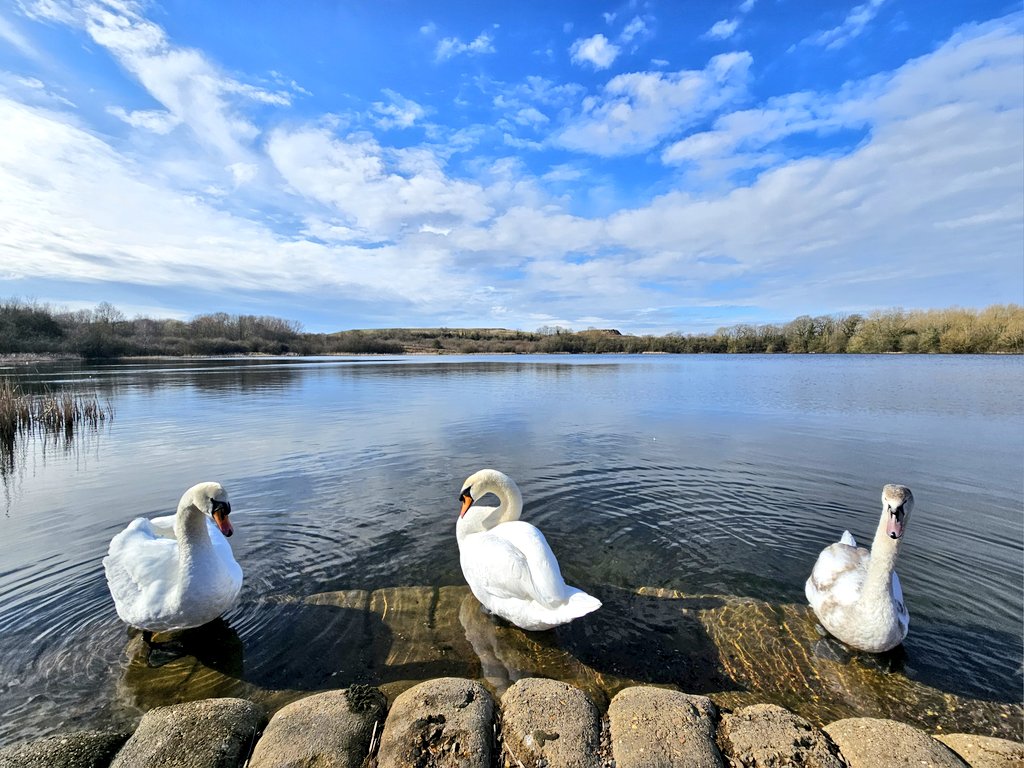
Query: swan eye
(220, 506)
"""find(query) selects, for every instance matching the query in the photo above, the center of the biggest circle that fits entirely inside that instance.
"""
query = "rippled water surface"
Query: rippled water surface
(684, 476)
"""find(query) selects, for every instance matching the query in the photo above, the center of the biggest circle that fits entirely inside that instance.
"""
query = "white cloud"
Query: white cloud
(372, 189)
(154, 120)
(637, 110)
(399, 113)
(191, 88)
(747, 6)
(723, 30)
(853, 25)
(596, 51)
(450, 47)
(633, 29)
(609, 18)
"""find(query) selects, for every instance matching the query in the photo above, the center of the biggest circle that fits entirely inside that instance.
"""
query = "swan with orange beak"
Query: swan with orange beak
(176, 572)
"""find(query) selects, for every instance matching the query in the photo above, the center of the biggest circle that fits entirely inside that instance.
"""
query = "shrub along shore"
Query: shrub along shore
(28, 328)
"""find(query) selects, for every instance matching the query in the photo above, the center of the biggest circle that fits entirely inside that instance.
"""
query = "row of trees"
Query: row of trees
(27, 327)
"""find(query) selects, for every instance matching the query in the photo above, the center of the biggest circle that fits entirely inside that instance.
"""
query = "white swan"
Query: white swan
(856, 594)
(178, 571)
(508, 563)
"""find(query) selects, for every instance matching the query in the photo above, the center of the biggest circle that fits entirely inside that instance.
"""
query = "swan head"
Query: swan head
(897, 503)
(485, 481)
(211, 499)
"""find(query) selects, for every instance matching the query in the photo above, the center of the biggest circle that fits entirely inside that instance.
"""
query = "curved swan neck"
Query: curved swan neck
(480, 518)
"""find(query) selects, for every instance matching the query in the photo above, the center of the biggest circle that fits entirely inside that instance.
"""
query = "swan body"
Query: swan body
(856, 594)
(508, 564)
(178, 571)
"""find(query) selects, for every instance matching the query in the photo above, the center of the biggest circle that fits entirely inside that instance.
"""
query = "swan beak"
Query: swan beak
(894, 527)
(221, 510)
(467, 502)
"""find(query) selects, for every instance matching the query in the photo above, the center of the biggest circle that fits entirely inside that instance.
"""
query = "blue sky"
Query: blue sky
(647, 166)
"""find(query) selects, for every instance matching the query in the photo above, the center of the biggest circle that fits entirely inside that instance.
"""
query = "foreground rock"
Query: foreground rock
(81, 749)
(661, 728)
(439, 723)
(766, 735)
(985, 751)
(549, 723)
(867, 742)
(328, 730)
(212, 733)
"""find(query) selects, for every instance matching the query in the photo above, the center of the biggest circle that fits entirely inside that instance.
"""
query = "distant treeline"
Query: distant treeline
(103, 332)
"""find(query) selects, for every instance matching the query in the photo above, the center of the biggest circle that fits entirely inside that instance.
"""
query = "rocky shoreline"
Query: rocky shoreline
(537, 723)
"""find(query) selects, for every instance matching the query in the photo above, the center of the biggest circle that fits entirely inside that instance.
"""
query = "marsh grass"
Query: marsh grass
(55, 417)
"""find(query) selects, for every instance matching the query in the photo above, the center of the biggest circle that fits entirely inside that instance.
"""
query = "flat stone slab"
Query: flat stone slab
(766, 736)
(985, 751)
(212, 733)
(326, 730)
(662, 728)
(439, 724)
(551, 724)
(78, 749)
(868, 742)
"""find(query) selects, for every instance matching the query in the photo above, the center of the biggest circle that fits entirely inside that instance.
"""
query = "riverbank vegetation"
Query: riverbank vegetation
(104, 332)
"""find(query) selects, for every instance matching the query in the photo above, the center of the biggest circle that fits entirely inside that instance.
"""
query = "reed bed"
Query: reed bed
(50, 413)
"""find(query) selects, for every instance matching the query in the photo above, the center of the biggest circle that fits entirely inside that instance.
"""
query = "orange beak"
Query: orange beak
(221, 519)
(467, 502)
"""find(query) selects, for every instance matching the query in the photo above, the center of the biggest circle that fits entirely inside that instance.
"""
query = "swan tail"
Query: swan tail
(847, 539)
(578, 604)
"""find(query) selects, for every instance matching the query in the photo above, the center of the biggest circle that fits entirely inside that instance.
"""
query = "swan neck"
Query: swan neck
(192, 535)
(511, 504)
(479, 519)
(883, 557)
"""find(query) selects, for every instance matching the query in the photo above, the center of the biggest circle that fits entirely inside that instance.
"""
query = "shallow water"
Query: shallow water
(694, 475)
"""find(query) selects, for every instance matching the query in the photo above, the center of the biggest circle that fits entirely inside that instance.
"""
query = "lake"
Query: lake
(692, 494)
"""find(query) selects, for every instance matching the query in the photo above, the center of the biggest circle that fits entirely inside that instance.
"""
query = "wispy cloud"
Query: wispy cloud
(597, 51)
(450, 47)
(722, 30)
(191, 88)
(853, 25)
(398, 112)
(638, 110)
(15, 38)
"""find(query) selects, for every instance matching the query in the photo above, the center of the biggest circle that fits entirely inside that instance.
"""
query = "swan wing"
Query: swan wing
(548, 585)
(838, 575)
(142, 569)
(902, 614)
(495, 568)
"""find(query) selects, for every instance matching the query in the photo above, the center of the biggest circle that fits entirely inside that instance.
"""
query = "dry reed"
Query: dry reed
(51, 413)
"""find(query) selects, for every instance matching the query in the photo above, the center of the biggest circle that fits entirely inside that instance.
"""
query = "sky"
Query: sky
(649, 166)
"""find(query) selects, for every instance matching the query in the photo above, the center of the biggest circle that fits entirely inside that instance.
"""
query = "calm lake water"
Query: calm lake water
(705, 475)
